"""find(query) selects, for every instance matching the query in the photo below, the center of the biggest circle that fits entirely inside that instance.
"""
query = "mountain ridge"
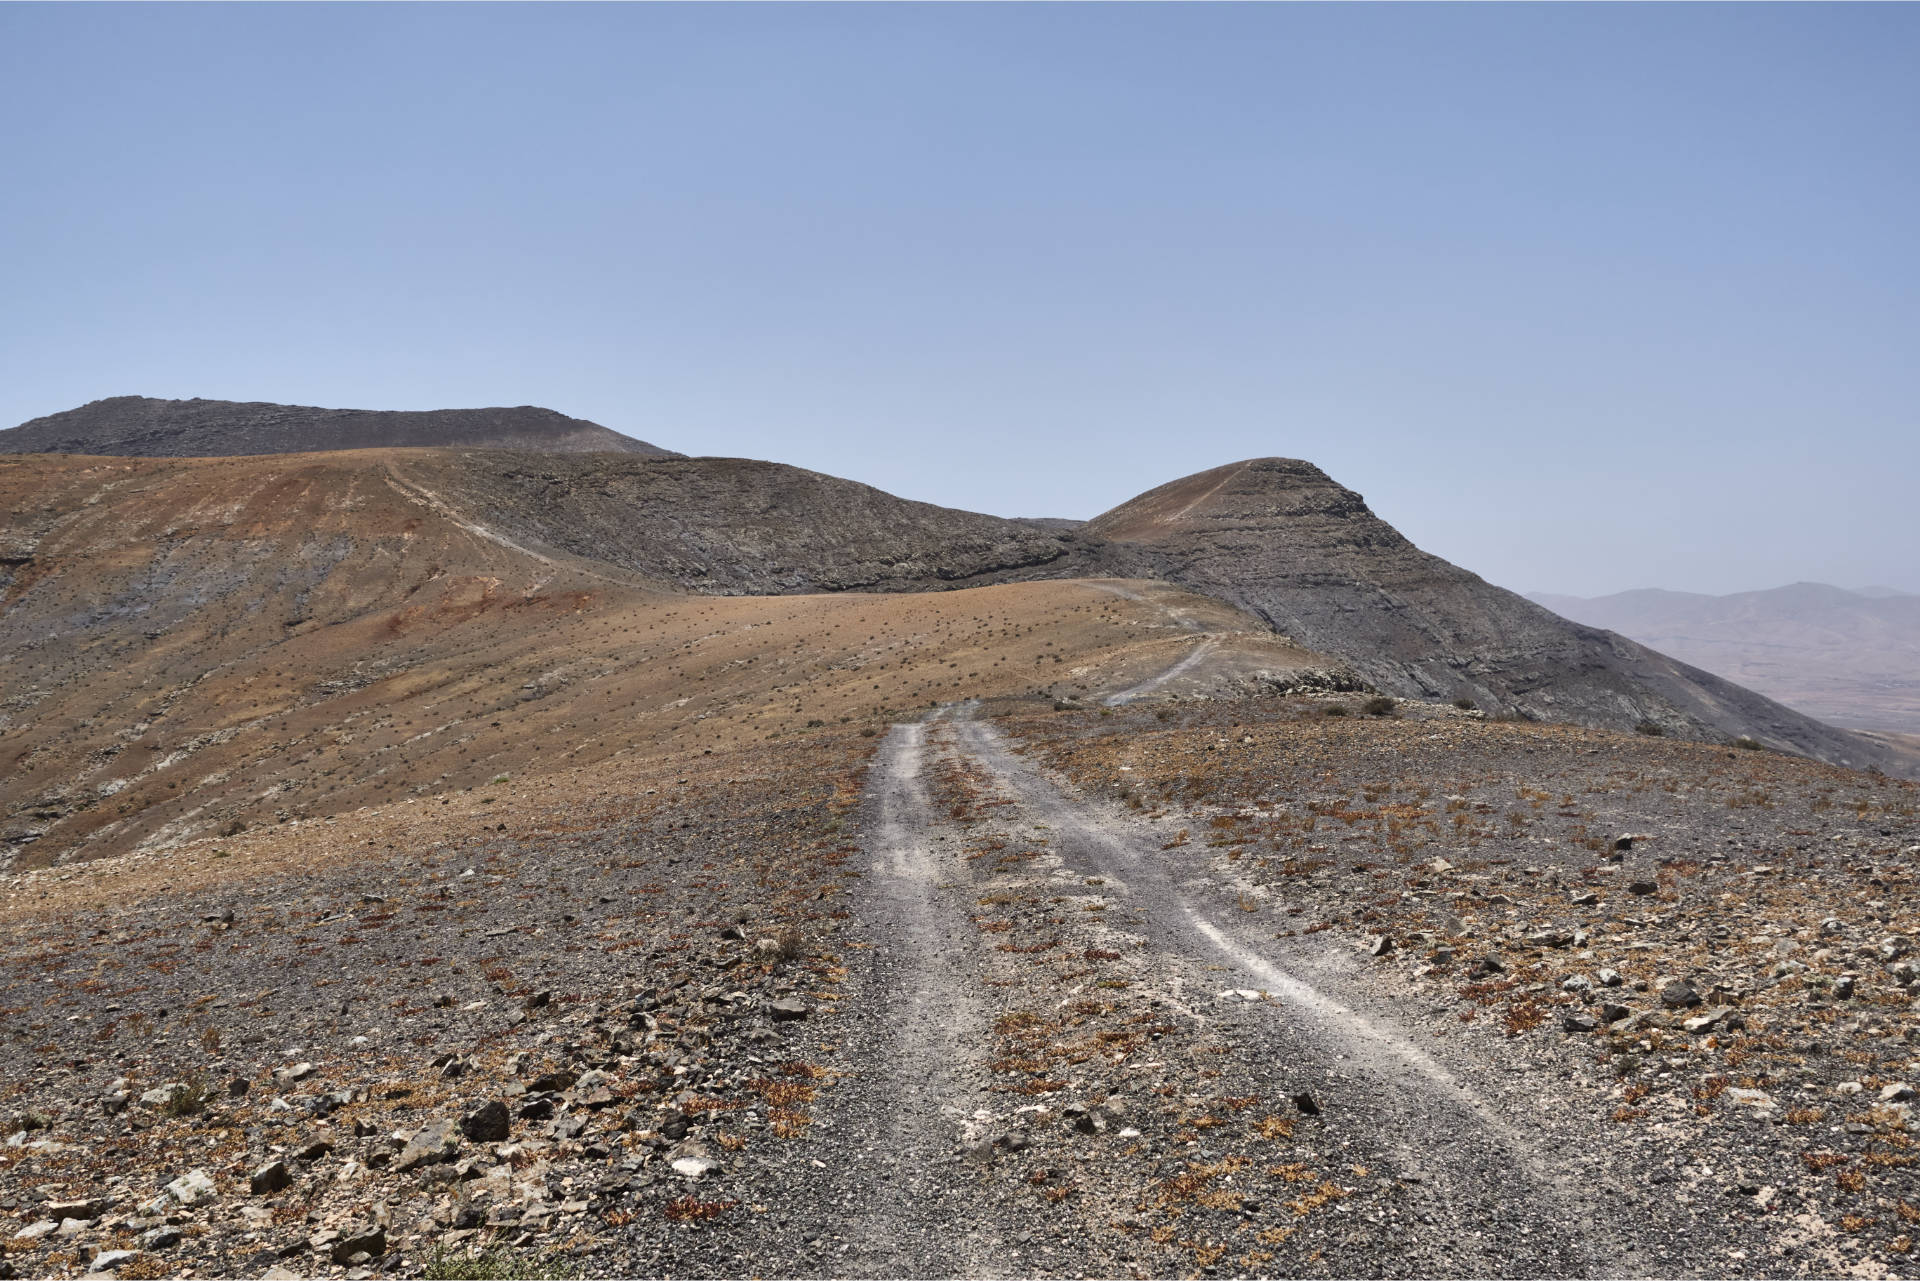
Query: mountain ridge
(147, 427)
(1275, 537)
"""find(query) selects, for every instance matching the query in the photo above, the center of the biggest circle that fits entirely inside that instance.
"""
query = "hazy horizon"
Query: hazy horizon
(1583, 299)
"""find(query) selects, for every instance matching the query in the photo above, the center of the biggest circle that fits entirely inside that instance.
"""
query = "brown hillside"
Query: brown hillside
(195, 645)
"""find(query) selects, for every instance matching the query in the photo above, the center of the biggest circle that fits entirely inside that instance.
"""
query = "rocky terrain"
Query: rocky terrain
(1281, 540)
(1180, 988)
(475, 863)
(1851, 658)
(142, 427)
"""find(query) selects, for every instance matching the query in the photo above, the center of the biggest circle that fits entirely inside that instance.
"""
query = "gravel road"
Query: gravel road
(1476, 1193)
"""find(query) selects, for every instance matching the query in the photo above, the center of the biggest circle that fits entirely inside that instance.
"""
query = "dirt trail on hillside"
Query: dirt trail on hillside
(1496, 1205)
(1181, 668)
(911, 1210)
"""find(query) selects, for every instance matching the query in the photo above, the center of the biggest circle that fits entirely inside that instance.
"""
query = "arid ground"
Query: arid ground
(390, 898)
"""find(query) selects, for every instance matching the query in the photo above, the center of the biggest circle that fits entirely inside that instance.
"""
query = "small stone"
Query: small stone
(293, 1072)
(1844, 987)
(160, 1239)
(1577, 1021)
(692, 1167)
(1609, 978)
(108, 1260)
(1613, 1013)
(1898, 1092)
(1679, 995)
(370, 1241)
(1587, 899)
(431, 1144)
(1380, 945)
(1643, 888)
(237, 1088)
(1306, 1104)
(35, 1231)
(488, 1123)
(192, 1188)
(787, 1009)
(1751, 1098)
(270, 1178)
(92, 1208)
(1708, 1021)
(1623, 843)
(1091, 1121)
(162, 1095)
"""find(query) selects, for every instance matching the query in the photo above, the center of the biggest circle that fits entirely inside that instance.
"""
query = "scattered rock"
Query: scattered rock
(488, 1123)
(787, 1009)
(193, 1188)
(1707, 1021)
(1306, 1104)
(431, 1144)
(270, 1178)
(1679, 995)
(370, 1241)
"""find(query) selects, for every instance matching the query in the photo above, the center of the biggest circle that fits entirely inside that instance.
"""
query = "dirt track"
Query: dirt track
(1475, 1194)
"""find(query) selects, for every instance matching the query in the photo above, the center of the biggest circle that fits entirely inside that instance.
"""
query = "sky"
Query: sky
(1583, 298)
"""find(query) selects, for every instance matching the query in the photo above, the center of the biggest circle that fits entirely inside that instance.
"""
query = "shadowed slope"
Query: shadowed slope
(733, 526)
(1280, 539)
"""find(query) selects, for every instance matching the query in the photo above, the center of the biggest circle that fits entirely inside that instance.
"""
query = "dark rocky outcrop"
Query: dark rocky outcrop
(735, 527)
(142, 427)
(1280, 539)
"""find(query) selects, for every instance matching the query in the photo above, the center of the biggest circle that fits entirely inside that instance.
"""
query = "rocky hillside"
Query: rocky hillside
(1280, 539)
(731, 526)
(140, 426)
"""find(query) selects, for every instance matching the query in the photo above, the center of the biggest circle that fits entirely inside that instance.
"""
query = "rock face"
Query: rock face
(140, 426)
(1280, 539)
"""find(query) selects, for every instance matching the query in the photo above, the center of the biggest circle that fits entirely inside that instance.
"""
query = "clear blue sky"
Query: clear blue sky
(1583, 298)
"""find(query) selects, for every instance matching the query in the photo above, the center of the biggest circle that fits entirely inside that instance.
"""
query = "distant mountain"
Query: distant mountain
(140, 426)
(1849, 657)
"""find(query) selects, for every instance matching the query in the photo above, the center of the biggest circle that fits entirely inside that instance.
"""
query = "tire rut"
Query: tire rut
(1501, 1205)
(914, 1209)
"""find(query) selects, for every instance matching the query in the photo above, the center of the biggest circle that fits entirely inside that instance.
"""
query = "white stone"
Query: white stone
(192, 1188)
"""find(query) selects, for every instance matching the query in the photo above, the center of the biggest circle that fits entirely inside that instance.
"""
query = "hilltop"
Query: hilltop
(142, 427)
(1282, 540)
